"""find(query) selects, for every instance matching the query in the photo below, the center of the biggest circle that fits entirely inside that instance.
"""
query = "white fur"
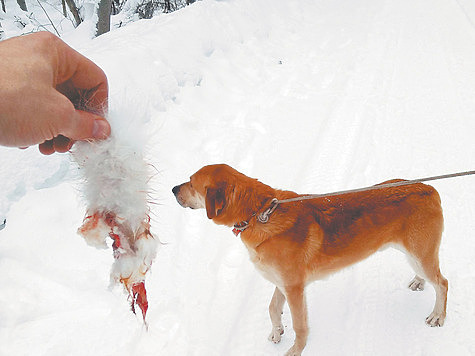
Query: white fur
(135, 265)
(97, 237)
(115, 181)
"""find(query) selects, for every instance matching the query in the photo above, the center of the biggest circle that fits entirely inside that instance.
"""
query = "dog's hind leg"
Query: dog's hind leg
(275, 311)
(441, 286)
(417, 284)
(422, 248)
(428, 267)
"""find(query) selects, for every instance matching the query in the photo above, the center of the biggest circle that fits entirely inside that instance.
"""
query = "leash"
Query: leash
(264, 216)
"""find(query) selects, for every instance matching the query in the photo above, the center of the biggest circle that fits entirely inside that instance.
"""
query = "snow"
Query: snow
(307, 95)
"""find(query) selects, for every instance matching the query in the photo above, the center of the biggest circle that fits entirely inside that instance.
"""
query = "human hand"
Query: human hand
(45, 89)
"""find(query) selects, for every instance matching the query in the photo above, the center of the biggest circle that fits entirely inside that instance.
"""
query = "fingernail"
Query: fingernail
(100, 129)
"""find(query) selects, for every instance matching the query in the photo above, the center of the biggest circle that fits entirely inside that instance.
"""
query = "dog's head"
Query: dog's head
(227, 195)
(207, 189)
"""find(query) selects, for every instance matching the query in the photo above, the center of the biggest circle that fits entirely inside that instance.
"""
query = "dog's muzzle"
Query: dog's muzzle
(176, 189)
(176, 192)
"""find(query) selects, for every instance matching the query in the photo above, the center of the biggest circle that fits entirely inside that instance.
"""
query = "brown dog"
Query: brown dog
(309, 239)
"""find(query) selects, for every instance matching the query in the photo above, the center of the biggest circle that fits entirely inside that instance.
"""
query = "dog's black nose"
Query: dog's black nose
(176, 189)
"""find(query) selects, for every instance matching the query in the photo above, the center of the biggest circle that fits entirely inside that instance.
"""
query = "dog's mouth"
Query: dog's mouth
(184, 204)
(176, 193)
(180, 202)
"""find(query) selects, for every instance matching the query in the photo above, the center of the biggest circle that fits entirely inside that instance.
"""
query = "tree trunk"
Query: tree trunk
(74, 11)
(22, 4)
(65, 12)
(104, 17)
(166, 7)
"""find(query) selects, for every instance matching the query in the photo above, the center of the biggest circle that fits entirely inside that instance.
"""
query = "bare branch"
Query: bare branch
(51, 22)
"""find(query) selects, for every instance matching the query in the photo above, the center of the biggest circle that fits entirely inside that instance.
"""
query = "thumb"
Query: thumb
(85, 125)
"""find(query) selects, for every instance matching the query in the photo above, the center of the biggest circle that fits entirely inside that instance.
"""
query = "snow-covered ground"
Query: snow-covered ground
(308, 95)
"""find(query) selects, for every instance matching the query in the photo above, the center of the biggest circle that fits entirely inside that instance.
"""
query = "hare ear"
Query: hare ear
(215, 201)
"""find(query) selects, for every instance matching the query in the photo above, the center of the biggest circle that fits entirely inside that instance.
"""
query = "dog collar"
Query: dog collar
(262, 218)
(240, 227)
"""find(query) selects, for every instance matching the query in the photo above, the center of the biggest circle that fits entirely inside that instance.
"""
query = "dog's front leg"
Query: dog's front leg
(298, 308)
(275, 311)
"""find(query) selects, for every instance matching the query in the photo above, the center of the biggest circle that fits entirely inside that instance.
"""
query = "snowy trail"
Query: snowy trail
(312, 96)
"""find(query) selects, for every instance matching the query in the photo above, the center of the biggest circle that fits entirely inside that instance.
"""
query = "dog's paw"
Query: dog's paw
(294, 351)
(435, 319)
(417, 284)
(276, 334)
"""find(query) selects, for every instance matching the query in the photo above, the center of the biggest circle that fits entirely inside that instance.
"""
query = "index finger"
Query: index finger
(81, 73)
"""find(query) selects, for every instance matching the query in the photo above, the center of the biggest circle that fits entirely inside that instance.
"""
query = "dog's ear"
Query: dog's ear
(215, 200)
